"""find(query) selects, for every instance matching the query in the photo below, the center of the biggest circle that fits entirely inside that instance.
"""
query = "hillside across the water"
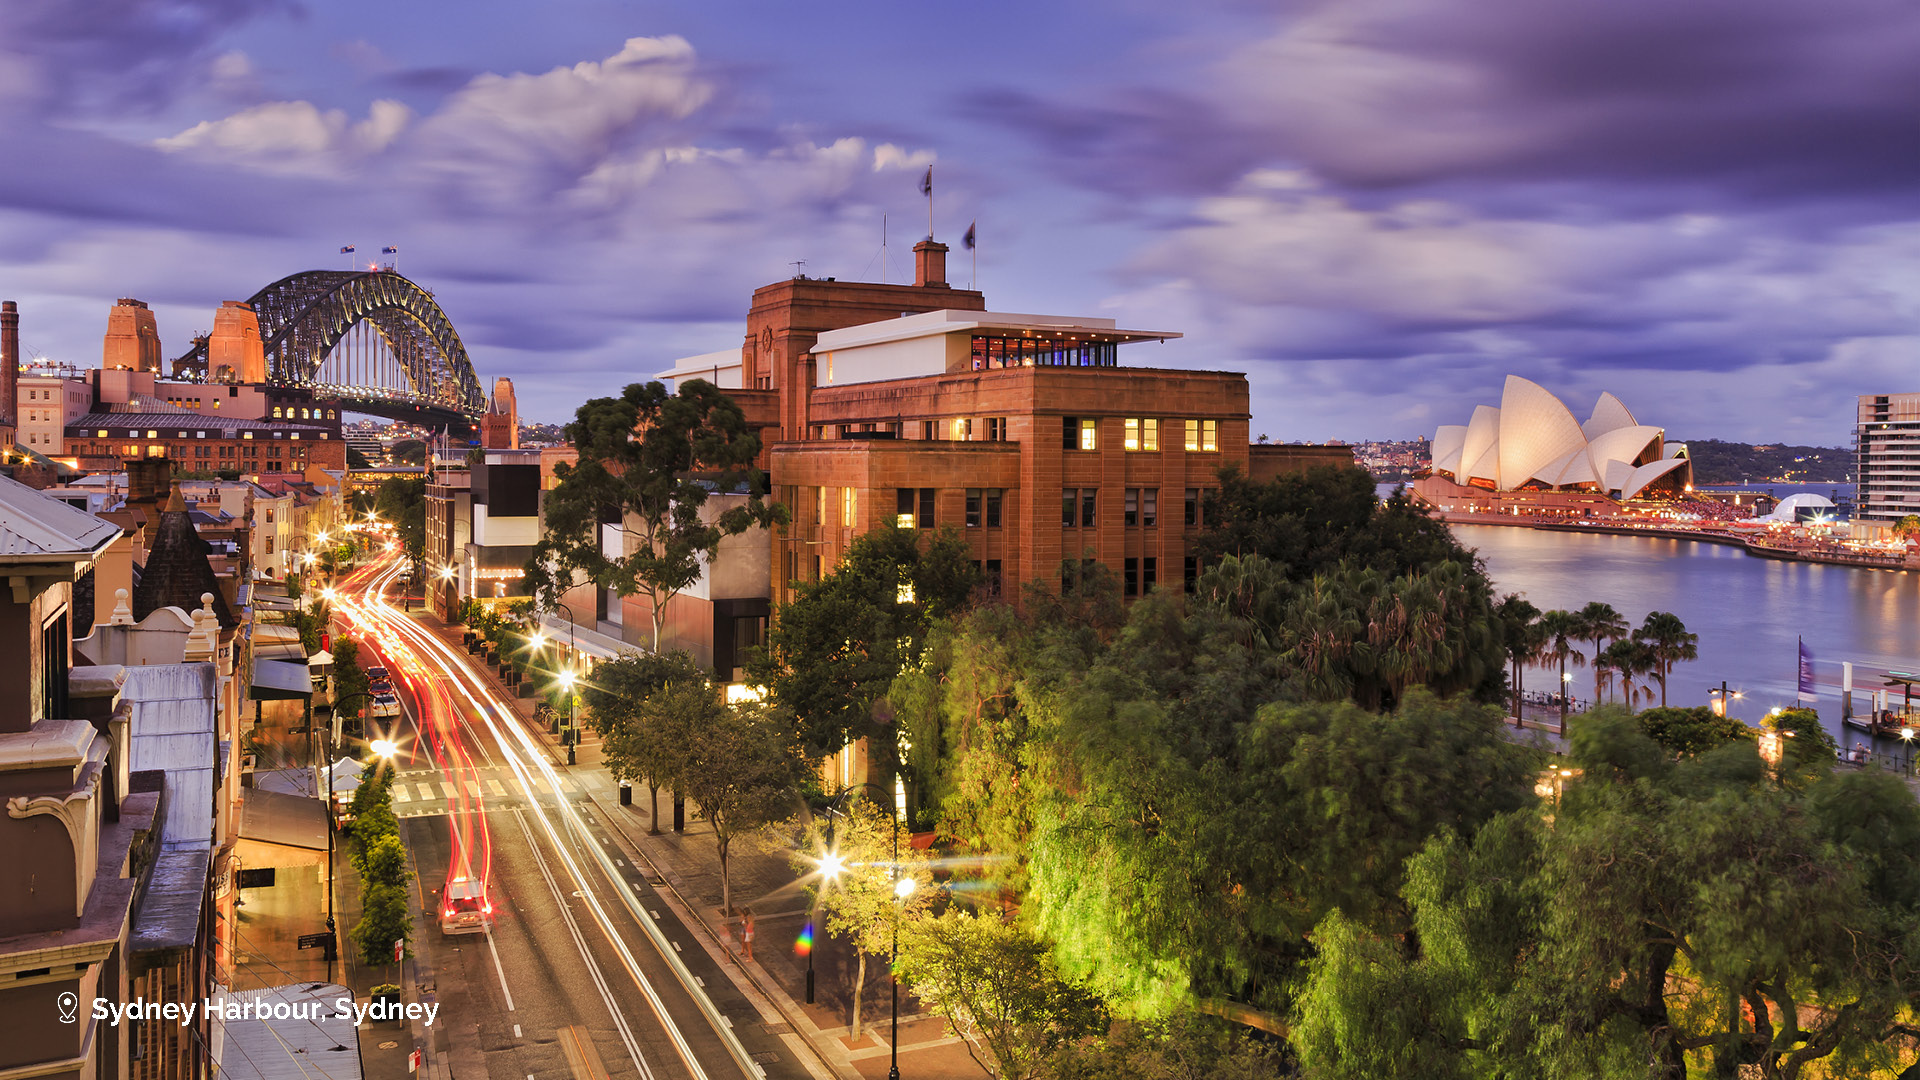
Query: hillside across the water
(1716, 462)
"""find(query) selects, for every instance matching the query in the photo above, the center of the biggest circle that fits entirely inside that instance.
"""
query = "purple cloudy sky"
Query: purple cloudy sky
(1377, 208)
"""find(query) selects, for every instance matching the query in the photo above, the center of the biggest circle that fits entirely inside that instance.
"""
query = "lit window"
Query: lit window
(820, 506)
(849, 506)
(962, 429)
(1143, 434)
(276, 412)
(1089, 434)
(1193, 436)
(101, 434)
(1209, 436)
(153, 434)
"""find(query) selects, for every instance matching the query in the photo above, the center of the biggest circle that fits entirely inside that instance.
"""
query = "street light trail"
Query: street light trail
(528, 763)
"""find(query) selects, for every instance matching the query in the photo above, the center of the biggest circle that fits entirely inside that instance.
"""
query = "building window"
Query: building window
(1086, 506)
(996, 429)
(820, 506)
(903, 508)
(1131, 516)
(962, 428)
(993, 577)
(929, 430)
(1089, 433)
(973, 508)
(1142, 434)
(1149, 573)
(276, 412)
(1069, 508)
(269, 543)
(849, 506)
(1192, 572)
(1193, 506)
(1130, 578)
(993, 507)
(1203, 436)
(269, 515)
(1149, 506)
(1079, 433)
(926, 508)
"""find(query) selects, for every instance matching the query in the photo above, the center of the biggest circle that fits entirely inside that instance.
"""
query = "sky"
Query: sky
(1375, 208)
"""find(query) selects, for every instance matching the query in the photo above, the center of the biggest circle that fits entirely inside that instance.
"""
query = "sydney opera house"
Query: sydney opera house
(1532, 443)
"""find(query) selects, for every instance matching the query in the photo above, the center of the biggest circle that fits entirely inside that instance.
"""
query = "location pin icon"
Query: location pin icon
(69, 1006)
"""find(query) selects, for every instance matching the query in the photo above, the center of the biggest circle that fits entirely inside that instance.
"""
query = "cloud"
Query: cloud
(67, 57)
(292, 137)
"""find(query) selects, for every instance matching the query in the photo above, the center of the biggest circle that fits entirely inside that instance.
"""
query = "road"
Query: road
(585, 972)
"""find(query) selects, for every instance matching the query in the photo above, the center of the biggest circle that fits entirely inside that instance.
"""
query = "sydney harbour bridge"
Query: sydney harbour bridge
(372, 340)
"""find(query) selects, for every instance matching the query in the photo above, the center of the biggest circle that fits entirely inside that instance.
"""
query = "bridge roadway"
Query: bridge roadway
(586, 974)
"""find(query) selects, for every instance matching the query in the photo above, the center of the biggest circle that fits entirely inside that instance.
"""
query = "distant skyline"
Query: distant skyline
(1376, 208)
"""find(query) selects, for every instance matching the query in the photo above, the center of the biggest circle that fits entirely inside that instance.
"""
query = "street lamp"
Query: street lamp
(1723, 695)
(831, 866)
(1566, 689)
(566, 683)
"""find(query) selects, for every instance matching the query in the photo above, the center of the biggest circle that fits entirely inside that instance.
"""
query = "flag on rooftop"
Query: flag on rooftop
(389, 251)
(926, 182)
(968, 239)
(348, 250)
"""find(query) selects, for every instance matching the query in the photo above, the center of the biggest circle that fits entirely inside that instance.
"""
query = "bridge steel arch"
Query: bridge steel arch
(303, 316)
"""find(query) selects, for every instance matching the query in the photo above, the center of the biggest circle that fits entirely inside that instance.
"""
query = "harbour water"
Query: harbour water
(1748, 612)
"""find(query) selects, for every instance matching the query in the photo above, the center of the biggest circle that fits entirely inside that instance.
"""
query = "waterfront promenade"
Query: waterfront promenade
(1791, 544)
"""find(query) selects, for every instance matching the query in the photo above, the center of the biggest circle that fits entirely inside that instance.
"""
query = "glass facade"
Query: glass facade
(1006, 352)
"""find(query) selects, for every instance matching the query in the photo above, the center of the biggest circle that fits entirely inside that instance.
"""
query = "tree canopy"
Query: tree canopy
(648, 463)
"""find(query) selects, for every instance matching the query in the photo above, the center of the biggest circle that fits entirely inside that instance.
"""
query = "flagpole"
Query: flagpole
(929, 202)
(883, 249)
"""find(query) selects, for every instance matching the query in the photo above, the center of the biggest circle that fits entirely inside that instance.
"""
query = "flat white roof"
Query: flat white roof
(949, 321)
(708, 364)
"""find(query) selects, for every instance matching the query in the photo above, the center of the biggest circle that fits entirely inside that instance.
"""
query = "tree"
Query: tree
(383, 921)
(1672, 919)
(382, 861)
(616, 698)
(349, 680)
(1908, 528)
(649, 461)
(1523, 635)
(1692, 731)
(1633, 661)
(1185, 1046)
(356, 459)
(1561, 629)
(998, 990)
(739, 764)
(860, 903)
(407, 452)
(403, 502)
(1601, 625)
(1666, 637)
(835, 649)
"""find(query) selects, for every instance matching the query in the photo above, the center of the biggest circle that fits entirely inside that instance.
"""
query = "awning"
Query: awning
(271, 817)
(277, 680)
(320, 659)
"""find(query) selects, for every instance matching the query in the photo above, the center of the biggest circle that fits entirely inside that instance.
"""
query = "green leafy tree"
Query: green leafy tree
(649, 460)
(408, 452)
(1673, 919)
(740, 765)
(1523, 636)
(350, 682)
(998, 989)
(1599, 625)
(1184, 1046)
(835, 649)
(860, 903)
(383, 921)
(1311, 521)
(383, 861)
(1666, 637)
(1692, 731)
(1561, 629)
(616, 698)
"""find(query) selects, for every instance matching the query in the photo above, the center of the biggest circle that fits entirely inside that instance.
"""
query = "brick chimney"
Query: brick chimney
(930, 264)
(9, 364)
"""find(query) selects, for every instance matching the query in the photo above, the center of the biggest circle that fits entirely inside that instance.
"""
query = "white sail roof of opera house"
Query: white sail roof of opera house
(1533, 439)
(1790, 507)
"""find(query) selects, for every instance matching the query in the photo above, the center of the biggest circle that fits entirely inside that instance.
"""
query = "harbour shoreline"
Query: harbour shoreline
(1752, 546)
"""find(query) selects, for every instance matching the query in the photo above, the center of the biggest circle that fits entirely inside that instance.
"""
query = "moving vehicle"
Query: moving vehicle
(464, 909)
(386, 706)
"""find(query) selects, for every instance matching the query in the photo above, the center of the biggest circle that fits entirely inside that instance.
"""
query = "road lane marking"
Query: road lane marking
(473, 789)
(500, 971)
(494, 786)
(516, 1034)
(425, 791)
(676, 948)
(448, 788)
(400, 793)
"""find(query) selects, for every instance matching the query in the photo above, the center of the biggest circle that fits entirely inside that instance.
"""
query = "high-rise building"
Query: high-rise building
(1887, 461)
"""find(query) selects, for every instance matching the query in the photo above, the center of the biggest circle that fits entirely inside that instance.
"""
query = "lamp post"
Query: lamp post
(1566, 688)
(830, 867)
(566, 683)
(1723, 696)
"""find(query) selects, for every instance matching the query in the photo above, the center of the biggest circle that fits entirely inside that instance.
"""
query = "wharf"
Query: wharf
(1753, 546)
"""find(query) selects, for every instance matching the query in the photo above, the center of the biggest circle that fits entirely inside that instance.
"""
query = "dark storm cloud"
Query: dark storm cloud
(128, 56)
(1134, 142)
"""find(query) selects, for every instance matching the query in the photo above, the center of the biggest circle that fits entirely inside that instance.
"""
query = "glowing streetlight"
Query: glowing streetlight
(903, 888)
(537, 642)
(328, 593)
(831, 865)
(446, 573)
(385, 748)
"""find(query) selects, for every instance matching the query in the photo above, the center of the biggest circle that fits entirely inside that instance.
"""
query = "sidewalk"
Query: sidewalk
(688, 867)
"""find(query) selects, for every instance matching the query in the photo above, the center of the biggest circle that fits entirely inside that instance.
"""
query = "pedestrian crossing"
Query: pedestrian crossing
(422, 791)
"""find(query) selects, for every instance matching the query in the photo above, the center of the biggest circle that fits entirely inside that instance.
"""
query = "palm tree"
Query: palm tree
(1632, 661)
(1666, 636)
(1523, 637)
(1602, 626)
(1561, 629)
